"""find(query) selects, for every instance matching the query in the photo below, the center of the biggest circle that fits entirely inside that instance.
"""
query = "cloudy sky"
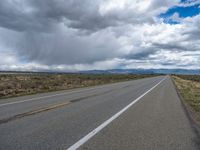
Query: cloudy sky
(70, 35)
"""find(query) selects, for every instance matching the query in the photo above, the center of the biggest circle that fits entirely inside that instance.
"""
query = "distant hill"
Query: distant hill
(115, 71)
(143, 71)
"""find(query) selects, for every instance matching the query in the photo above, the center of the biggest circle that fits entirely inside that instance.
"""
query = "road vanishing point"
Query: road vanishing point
(144, 114)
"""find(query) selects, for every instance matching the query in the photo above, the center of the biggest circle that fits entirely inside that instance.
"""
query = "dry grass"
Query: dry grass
(24, 84)
(189, 88)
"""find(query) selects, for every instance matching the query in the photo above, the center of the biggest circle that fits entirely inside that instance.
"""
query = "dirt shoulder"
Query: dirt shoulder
(189, 89)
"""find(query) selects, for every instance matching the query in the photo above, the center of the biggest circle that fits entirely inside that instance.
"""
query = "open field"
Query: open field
(189, 88)
(24, 84)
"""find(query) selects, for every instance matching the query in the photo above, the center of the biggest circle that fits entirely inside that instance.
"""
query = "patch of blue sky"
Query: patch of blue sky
(170, 21)
(188, 1)
(182, 11)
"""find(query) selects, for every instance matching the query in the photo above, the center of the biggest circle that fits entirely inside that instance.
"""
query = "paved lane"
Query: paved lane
(61, 127)
(13, 106)
(156, 122)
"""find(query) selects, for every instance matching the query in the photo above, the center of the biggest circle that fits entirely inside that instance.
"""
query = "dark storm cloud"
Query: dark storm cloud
(65, 47)
(50, 31)
(46, 31)
(170, 46)
(142, 54)
(87, 32)
(86, 15)
(42, 15)
(20, 16)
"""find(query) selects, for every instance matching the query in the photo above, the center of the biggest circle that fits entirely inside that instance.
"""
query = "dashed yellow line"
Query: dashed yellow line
(32, 112)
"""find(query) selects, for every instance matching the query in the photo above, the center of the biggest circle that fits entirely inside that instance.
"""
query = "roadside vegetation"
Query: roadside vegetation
(189, 88)
(24, 84)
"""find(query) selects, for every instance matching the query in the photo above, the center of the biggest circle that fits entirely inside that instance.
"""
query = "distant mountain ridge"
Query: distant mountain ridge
(143, 71)
(115, 71)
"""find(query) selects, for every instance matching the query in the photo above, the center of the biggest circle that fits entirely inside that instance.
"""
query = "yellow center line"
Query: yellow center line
(32, 112)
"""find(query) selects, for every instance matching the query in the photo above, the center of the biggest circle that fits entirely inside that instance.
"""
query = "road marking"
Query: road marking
(39, 110)
(59, 94)
(38, 98)
(31, 99)
(33, 112)
(104, 124)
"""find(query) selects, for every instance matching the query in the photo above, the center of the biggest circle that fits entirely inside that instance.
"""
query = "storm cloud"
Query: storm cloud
(101, 34)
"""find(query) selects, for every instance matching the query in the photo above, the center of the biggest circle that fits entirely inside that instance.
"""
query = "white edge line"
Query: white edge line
(104, 124)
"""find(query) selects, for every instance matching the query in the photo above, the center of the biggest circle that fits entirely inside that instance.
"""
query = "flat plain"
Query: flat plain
(12, 85)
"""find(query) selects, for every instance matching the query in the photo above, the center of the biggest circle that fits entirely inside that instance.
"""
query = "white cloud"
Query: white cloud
(73, 35)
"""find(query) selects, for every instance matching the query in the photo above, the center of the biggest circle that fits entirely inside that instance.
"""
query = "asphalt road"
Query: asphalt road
(141, 114)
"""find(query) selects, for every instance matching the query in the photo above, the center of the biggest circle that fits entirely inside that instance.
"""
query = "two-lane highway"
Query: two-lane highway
(140, 114)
